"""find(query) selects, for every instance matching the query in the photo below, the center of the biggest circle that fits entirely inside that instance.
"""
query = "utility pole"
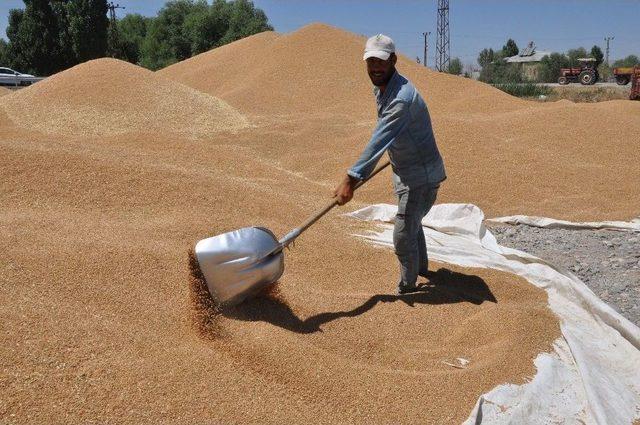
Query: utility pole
(112, 12)
(443, 45)
(113, 40)
(426, 47)
(607, 40)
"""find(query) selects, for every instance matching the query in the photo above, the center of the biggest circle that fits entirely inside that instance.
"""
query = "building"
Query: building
(529, 59)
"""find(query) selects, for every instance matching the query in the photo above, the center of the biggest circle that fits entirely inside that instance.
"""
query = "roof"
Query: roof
(535, 57)
(528, 54)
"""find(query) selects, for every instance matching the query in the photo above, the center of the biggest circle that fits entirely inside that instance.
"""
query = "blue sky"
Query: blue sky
(552, 25)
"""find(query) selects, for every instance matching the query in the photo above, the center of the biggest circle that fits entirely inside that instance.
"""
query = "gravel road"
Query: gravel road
(607, 261)
(595, 86)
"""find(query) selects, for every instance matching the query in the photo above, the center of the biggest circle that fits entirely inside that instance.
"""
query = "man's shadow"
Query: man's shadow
(444, 287)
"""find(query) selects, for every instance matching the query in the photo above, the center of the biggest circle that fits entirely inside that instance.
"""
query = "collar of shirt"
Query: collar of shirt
(382, 98)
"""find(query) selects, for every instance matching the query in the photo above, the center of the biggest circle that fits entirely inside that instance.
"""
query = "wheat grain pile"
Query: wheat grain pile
(316, 70)
(100, 323)
(311, 91)
(108, 97)
(4, 91)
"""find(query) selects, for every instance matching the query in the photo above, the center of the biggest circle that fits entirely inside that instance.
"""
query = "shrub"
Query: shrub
(524, 90)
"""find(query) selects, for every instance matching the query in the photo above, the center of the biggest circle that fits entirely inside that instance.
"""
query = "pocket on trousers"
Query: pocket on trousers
(403, 199)
(399, 187)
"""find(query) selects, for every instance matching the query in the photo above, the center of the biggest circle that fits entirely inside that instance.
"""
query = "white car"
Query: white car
(9, 77)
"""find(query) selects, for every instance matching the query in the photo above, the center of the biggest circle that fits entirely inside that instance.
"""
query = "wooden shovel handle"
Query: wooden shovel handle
(298, 230)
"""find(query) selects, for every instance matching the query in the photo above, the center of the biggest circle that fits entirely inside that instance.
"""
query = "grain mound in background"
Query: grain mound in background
(572, 161)
(4, 91)
(316, 69)
(310, 91)
(108, 97)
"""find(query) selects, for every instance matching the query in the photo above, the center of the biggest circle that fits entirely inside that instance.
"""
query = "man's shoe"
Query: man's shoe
(426, 274)
(406, 289)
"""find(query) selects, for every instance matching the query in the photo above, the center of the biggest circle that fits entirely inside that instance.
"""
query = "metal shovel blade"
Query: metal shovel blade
(239, 264)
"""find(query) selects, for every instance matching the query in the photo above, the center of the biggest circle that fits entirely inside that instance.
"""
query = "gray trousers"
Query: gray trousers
(408, 236)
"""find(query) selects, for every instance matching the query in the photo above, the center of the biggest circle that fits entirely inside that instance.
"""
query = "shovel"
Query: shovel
(239, 264)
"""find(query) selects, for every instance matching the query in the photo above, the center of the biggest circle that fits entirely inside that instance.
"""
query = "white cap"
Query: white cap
(379, 46)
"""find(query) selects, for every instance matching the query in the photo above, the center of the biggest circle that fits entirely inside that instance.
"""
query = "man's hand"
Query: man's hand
(344, 191)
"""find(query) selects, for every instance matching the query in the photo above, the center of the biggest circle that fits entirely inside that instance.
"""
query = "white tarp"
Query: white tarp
(552, 223)
(593, 375)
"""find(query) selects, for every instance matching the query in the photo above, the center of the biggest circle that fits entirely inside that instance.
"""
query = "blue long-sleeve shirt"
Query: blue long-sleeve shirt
(404, 129)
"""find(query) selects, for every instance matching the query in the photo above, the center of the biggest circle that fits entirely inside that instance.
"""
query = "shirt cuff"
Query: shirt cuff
(355, 175)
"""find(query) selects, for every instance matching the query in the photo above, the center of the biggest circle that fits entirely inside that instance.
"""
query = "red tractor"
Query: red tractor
(635, 84)
(587, 74)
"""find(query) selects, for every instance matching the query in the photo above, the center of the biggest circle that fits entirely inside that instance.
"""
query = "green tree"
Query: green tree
(4, 53)
(48, 36)
(485, 57)
(66, 55)
(206, 30)
(604, 72)
(575, 54)
(167, 41)
(14, 56)
(155, 53)
(501, 72)
(130, 34)
(244, 20)
(510, 49)
(88, 25)
(630, 60)
(184, 28)
(455, 66)
(596, 53)
(550, 66)
(33, 38)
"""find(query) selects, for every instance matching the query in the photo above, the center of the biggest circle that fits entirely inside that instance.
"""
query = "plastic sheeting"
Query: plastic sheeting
(551, 223)
(593, 374)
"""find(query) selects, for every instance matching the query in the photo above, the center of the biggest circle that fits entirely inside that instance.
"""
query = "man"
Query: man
(404, 129)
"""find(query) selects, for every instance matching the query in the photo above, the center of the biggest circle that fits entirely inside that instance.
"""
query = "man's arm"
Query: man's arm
(393, 121)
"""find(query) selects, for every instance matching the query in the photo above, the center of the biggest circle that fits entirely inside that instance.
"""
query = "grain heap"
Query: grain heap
(4, 91)
(108, 96)
(316, 69)
(504, 154)
(99, 324)
(92, 242)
